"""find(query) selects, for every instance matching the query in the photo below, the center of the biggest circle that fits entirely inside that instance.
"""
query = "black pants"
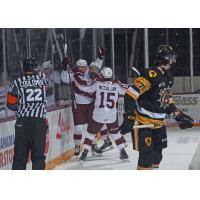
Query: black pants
(150, 143)
(30, 135)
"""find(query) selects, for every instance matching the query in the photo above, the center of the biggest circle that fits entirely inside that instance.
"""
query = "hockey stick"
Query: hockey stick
(57, 52)
(135, 70)
(196, 123)
(70, 81)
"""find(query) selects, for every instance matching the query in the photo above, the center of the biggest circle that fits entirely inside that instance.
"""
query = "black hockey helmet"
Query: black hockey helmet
(163, 54)
(30, 64)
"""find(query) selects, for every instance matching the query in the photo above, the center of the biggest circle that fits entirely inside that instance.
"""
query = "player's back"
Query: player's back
(107, 94)
(32, 95)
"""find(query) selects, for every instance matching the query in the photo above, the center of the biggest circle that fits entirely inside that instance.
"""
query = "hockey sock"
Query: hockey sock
(77, 134)
(88, 141)
(118, 140)
(94, 141)
(104, 134)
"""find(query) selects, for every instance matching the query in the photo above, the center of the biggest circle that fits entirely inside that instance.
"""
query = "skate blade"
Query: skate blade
(82, 162)
(125, 159)
(97, 154)
(108, 148)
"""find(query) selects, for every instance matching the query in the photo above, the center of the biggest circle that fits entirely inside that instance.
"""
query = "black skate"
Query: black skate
(84, 155)
(77, 151)
(123, 154)
(95, 150)
(106, 146)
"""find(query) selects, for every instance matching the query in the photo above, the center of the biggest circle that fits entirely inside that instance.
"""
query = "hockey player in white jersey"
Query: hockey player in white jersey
(82, 106)
(106, 93)
(107, 145)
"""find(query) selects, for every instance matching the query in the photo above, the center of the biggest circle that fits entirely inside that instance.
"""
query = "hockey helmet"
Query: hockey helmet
(30, 64)
(106, 72)
(164, 53)
(95, 64)
(81, 63)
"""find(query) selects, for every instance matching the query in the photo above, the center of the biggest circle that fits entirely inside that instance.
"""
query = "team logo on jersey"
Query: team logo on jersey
(152, 73)
(165, 97)
(148, 141)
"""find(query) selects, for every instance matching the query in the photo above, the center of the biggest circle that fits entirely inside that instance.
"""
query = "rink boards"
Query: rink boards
(59, 142)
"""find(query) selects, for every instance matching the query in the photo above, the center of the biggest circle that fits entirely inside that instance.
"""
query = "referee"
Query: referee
(27, 96)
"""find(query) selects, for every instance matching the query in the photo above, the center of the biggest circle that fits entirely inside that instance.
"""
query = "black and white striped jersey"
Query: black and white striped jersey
(30, 91)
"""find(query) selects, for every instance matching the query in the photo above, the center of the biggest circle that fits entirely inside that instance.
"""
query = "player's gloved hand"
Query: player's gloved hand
(64, 64)
(128, 123)
(77, 72)
(101, 52)
(185, 121)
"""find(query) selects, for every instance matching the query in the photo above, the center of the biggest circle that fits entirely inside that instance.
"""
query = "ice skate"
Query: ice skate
(83, 155)
(123, 154)
(95, 150)
(106, 146)
(77, 151)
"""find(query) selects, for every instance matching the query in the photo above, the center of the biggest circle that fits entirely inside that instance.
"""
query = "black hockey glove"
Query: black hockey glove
(128, 123)
(184, 120)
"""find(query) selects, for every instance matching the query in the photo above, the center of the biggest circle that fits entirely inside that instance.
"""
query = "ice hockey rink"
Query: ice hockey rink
(182, 145)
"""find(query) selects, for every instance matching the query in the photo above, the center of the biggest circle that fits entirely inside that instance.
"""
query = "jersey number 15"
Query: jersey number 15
(110, 103)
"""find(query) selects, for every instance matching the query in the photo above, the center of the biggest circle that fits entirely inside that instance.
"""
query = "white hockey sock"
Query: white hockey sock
(94, 141)
(104, 137)
(88, 141)
(117, 137)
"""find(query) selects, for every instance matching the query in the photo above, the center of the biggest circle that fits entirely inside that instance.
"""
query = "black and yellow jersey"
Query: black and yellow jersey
(152, 92)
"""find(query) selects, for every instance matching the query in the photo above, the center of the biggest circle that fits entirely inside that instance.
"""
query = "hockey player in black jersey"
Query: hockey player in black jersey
(27, 96)
(147, 101)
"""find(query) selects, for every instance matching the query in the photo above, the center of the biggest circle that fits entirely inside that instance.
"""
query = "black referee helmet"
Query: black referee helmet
(30, 64)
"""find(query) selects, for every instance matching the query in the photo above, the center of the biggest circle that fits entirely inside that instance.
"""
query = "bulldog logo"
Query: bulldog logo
(148, 141)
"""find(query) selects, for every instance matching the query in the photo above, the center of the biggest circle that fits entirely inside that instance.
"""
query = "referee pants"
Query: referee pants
(30, 136)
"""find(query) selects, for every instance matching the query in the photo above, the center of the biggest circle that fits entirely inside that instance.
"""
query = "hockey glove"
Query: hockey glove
(64, 64)
(101, 52)
(128, 123)
(184, 120)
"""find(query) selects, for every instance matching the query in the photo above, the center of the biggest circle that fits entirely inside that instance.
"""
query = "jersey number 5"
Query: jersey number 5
(110, 103)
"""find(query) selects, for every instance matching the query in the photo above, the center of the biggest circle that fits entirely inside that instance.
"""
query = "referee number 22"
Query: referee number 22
(34, 95)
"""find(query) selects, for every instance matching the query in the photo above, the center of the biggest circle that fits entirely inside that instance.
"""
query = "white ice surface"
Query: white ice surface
(181, 147)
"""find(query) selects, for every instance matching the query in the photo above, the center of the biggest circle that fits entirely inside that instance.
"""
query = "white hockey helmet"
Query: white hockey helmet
(95, 64)
(106, 72)
(81, 63)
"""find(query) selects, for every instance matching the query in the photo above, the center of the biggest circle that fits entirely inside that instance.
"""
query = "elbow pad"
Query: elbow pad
(129, 103)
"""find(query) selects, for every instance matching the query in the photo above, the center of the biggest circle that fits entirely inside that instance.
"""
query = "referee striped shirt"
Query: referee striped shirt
(31, 93)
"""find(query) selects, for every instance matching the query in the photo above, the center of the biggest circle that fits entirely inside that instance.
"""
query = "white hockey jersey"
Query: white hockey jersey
(106, 94)
(68, 77)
